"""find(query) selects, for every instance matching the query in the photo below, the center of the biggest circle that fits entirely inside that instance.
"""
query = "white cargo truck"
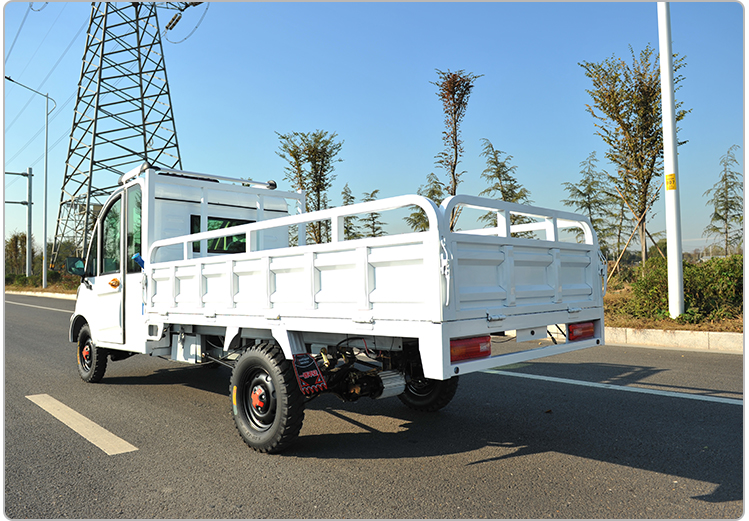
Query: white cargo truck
(208, 269)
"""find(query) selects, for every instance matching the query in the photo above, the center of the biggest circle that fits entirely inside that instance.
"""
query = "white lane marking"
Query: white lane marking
(717, 399)
(38, 307)
(97, 435)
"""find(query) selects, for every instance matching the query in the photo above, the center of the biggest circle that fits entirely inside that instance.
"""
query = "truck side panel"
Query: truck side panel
(435, 285)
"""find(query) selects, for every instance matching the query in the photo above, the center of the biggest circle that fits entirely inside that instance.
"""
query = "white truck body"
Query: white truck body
(192, 304)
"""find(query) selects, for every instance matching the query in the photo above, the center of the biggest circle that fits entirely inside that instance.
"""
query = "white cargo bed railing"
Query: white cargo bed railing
(386, 277)
(335, 215)
(549, 221)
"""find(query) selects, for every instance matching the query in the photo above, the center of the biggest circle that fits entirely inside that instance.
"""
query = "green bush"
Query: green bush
(650, 290)
(68, 281)
(713, 290)
(53, 276)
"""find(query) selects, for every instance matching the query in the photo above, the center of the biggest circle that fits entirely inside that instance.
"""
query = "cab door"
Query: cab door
(134, 277)
(108, 286)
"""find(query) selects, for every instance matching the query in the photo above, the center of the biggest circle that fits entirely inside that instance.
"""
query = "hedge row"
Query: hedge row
(713, 290)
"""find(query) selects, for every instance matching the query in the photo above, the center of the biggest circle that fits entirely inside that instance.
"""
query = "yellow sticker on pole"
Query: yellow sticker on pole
(671, 182)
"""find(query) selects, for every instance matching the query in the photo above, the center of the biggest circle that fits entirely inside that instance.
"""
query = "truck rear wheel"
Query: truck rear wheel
(267, 404)
(92, 360)
(424, 394)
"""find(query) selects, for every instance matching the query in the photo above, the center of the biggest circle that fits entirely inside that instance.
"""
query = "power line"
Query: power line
(57, 113)
(48, 74)
(19, 32)
(30, 60)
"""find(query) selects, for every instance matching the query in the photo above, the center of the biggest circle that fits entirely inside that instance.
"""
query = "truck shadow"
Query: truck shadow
(514, 418)
(141, 370)
(511, 417)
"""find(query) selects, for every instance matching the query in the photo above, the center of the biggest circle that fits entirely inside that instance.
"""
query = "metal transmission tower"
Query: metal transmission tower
(123, 113)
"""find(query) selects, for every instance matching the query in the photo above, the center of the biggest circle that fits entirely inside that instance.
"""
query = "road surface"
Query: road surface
(607, 432)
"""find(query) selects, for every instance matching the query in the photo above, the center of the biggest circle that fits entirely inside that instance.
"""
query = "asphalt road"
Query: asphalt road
(573, 444)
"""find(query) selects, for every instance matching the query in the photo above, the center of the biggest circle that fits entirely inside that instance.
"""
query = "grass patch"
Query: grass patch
(615, 304)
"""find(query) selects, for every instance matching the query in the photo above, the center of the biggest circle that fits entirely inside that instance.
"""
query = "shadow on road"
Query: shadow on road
(690, 439)
(518, 417)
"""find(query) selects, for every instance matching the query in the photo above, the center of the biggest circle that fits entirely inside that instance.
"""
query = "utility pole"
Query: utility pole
(670, 165)
(29, 252)
(45, 266)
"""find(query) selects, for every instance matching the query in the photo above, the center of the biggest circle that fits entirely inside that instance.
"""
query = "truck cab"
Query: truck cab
(162, 205)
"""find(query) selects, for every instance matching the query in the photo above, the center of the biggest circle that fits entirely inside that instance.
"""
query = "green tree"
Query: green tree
(372, 223)
(434, 189)
(727, 219)
(622, 226)
(15, 253)
(311, 159)
(454, 90)
(500, 176)
(592, 197)
(292, 151)
(627, 112)
(351, 229)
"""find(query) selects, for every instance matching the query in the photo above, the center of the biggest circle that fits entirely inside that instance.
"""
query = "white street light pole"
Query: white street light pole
(670, 165)
(46, 148)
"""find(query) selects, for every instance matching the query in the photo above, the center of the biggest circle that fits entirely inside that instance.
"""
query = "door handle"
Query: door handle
(115, 283)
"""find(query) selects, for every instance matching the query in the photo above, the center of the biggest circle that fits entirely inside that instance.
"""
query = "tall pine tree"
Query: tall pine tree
(499, 175)
(351, 229)
(373, 226)
(434, 189)
(727, 219)
(592, 197)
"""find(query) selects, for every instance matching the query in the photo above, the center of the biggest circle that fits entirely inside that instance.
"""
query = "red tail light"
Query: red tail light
(470, 348)
(581, 331)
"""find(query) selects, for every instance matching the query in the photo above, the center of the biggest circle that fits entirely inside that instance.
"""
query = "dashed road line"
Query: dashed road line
(94, 433)
(642, 390)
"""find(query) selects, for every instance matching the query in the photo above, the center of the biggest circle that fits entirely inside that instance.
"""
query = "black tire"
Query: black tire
(267, 404)
(423, 394)
(92, 360)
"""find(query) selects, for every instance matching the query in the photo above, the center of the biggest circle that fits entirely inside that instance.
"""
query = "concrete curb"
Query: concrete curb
(702, 340)
(65, 296)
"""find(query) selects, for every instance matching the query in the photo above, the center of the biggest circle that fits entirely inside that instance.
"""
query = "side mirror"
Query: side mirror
(75, 266)
(139, 260)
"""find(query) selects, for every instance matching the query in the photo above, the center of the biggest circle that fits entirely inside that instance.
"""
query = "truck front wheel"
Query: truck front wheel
(424, 394)
(92, 360)
(267, 404)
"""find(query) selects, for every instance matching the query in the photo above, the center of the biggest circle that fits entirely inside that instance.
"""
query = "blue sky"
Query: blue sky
(363, 70)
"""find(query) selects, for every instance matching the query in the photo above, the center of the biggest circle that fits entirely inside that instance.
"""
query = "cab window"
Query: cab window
(230, 244)
(93, 254)
(111, 239)
(133, 228)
